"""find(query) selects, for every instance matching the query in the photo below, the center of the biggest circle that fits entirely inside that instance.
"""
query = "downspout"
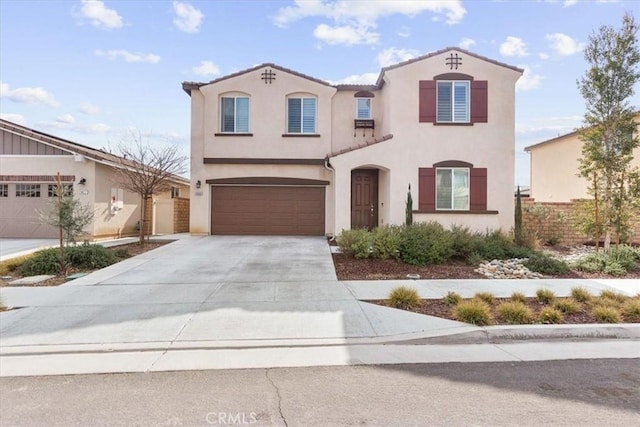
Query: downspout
(327, 166)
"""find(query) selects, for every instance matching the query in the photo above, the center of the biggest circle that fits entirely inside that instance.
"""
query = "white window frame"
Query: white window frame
(452, 199)
(67, 190)
(452, 84)
(4, 190)
(28, 190)
(235, 114)
(358, 109)
(315, 118)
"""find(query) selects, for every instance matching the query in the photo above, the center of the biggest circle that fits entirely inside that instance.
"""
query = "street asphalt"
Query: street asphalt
(221, 302)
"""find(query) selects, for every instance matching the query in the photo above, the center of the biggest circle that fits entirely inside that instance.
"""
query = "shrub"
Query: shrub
(452, 298)
(355, 243)
(613, 296)
(487, 297)
(550, 315)
(567, 305)
(474, 311)
(463, 243)
(546, 264)
(614, 268)
(475, 259)
(606, 314)
(631, 310)
(88, 256)
(615, 262)
(45, 261)
(404, 298)
(121, 253)
(386, 242)
(545, 296)
(493, 245)
(626, 256)
(422, 244)
(518, 297)
(10, 265)
(515, 313)
(580, 294)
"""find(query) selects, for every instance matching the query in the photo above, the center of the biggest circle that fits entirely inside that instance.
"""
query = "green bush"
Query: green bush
(121, 253)
(464, 242)
(88, 256)
(615, 262)
(606, 314)
(487, 297)
(355, 243)
(426, 243)
(518, 297)
(452, 298)
(614, 268)
(545, 296)
(515, 313)
(631, 310)
(546, 264)
(627, 256)
(567, 305)
(404, 298)
(386, 242)
(580, 294)
(474, 311)
(45, 261)
(550, 315)
(498, 245)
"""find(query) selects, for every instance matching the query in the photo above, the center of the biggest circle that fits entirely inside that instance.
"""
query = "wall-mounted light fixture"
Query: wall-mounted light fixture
(198, 184)
(82, 181)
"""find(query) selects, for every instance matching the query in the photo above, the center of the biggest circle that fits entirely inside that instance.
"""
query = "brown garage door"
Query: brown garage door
(264, 210)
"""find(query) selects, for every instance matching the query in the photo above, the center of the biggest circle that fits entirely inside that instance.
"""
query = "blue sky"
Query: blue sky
(96, 71)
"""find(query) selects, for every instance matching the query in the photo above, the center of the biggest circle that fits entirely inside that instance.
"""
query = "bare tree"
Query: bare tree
(147, 170)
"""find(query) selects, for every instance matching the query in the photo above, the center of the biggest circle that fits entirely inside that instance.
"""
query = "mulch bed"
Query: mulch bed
(437, 308)
(132, 248)
(348, 268)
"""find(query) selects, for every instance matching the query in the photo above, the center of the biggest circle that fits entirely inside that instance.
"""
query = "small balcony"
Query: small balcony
(364, 124)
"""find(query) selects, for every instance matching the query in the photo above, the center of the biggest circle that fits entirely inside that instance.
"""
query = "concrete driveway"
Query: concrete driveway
(19, 246)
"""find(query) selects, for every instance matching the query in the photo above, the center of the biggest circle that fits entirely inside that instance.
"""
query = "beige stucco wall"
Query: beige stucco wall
(109, 222)
(343, 134)
(555, 167)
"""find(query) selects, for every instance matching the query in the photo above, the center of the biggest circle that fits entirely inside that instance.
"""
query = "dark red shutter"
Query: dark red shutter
(479, 101)
(478, 189)
(427, 189)
(427, 101)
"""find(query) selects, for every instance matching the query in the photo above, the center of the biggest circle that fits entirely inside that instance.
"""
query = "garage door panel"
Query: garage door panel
(264, 210)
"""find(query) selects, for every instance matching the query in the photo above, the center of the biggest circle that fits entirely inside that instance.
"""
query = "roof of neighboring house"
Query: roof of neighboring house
(188, 86)
(99, 156)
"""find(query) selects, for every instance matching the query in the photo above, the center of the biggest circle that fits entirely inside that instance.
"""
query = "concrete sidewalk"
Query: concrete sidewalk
(204, 306)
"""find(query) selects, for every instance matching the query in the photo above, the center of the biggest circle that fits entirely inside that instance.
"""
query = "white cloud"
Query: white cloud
(66, 118)
(28, 95)
(88, 129)
(206, 68)
(90, 109)
(404, 31)
(466, 43)
(563, 45)
(513, 46)
(14, 117)
(128, 56)
(354, 79)
(188, 18)
(347, 35)
(393, 55)
(543, 55)
(100, 15)
(568, 3)
(559, 125)
(529, 80)
(354, 22)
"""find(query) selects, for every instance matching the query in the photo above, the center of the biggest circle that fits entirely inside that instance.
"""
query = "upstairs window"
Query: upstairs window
(235, 114)
(363, 108)
(453, 101)
(175, 192)
(301, 115)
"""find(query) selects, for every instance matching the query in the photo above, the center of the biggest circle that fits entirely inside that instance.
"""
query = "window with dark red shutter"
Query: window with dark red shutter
(477, 187)
(427, 189)
(427, 101)
(479, 101)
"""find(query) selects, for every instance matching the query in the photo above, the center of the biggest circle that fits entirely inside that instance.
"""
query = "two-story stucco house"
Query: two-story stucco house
(274, 151)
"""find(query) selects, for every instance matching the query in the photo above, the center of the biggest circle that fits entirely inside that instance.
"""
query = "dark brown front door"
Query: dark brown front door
(364, 198)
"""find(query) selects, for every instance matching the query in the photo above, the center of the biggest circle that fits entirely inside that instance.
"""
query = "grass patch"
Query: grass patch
(404, 298)
(631, 310)
(545, 296)
(486, 297)
(567, 305)
(606, 314)
(580, 294)
(613, 296)
(475, 312)
(515, 313)
(550, 316)
(518, 297)
(452, 298)
(12, 265)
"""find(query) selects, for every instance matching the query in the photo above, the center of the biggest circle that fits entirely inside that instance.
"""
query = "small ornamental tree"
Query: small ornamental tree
(409, 208)
(518, 230)
(147, 170)
(608, 128)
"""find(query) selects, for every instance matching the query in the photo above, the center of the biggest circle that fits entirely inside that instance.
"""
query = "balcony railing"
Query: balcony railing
(364, 124)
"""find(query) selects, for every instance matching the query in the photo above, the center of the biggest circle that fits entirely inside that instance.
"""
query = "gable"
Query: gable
(13, 144)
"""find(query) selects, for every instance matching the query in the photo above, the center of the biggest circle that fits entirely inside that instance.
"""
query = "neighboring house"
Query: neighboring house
(29, 163)
(555, 165)
(274, 151)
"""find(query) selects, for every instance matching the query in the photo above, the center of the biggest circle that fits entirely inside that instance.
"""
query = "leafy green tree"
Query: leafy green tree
(608, 127)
